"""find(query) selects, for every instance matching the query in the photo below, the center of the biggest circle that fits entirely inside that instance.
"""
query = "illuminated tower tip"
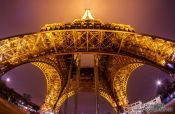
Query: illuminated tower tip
(87, 14)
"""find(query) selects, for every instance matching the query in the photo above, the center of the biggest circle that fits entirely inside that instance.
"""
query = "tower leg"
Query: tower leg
(68, 84)
(115, 110)
(77, 83)
(96, 82)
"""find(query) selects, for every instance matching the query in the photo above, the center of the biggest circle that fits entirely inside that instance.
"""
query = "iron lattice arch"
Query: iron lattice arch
(57, 49)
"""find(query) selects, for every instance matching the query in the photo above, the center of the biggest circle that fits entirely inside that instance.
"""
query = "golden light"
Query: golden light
(87, 14)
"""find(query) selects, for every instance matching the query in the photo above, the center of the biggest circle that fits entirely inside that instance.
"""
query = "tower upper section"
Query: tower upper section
(87, 22)
(87, 15)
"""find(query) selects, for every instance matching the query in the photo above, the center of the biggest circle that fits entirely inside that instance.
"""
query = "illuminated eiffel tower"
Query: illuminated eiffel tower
(58, 50)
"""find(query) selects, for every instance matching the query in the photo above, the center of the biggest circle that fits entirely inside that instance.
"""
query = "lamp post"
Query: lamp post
(158, 83)
(7, 79)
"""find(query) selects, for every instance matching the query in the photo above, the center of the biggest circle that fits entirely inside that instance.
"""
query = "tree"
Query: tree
(27, 97)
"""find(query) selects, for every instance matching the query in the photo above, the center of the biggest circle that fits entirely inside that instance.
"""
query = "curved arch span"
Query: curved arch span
(53, 83)
(67, 95)
(156, 50)
(120, 82)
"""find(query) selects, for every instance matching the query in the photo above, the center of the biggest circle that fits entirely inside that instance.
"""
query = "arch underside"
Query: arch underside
(54, 69)
(120, 82)
(68, 94)
(53, 85)
(118, 70)
(72, 93)
(126, 50)
(53, 73)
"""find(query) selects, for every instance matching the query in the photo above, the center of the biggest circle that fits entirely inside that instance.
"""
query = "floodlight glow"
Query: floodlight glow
(8, 79)
(159, 82)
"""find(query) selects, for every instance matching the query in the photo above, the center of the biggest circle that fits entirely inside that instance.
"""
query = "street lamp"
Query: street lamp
(158, 83)
(8, 80)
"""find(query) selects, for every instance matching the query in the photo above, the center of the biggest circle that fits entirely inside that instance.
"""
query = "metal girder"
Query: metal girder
(18, 49)
(54, 69)
(53, 85)
(120, 82)
(58, 62)
(104, 83)
(124, 51)
(119, 68)
(72, 91)
(87, 86)
(119, 61)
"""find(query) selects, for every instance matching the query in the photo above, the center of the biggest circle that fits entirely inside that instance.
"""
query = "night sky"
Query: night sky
(154, 17)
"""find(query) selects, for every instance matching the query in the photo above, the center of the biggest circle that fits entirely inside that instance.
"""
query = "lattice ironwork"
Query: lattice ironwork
(148, 48)
(53, 85)
(120, 82)
(119, 48)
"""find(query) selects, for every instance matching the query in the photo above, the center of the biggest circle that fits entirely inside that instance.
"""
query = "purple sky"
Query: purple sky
(154, 17)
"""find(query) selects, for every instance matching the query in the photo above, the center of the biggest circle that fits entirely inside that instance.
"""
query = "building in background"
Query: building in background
(140, 107)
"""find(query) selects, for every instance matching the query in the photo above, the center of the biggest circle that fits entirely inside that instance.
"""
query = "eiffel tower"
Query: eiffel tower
(114, 50)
